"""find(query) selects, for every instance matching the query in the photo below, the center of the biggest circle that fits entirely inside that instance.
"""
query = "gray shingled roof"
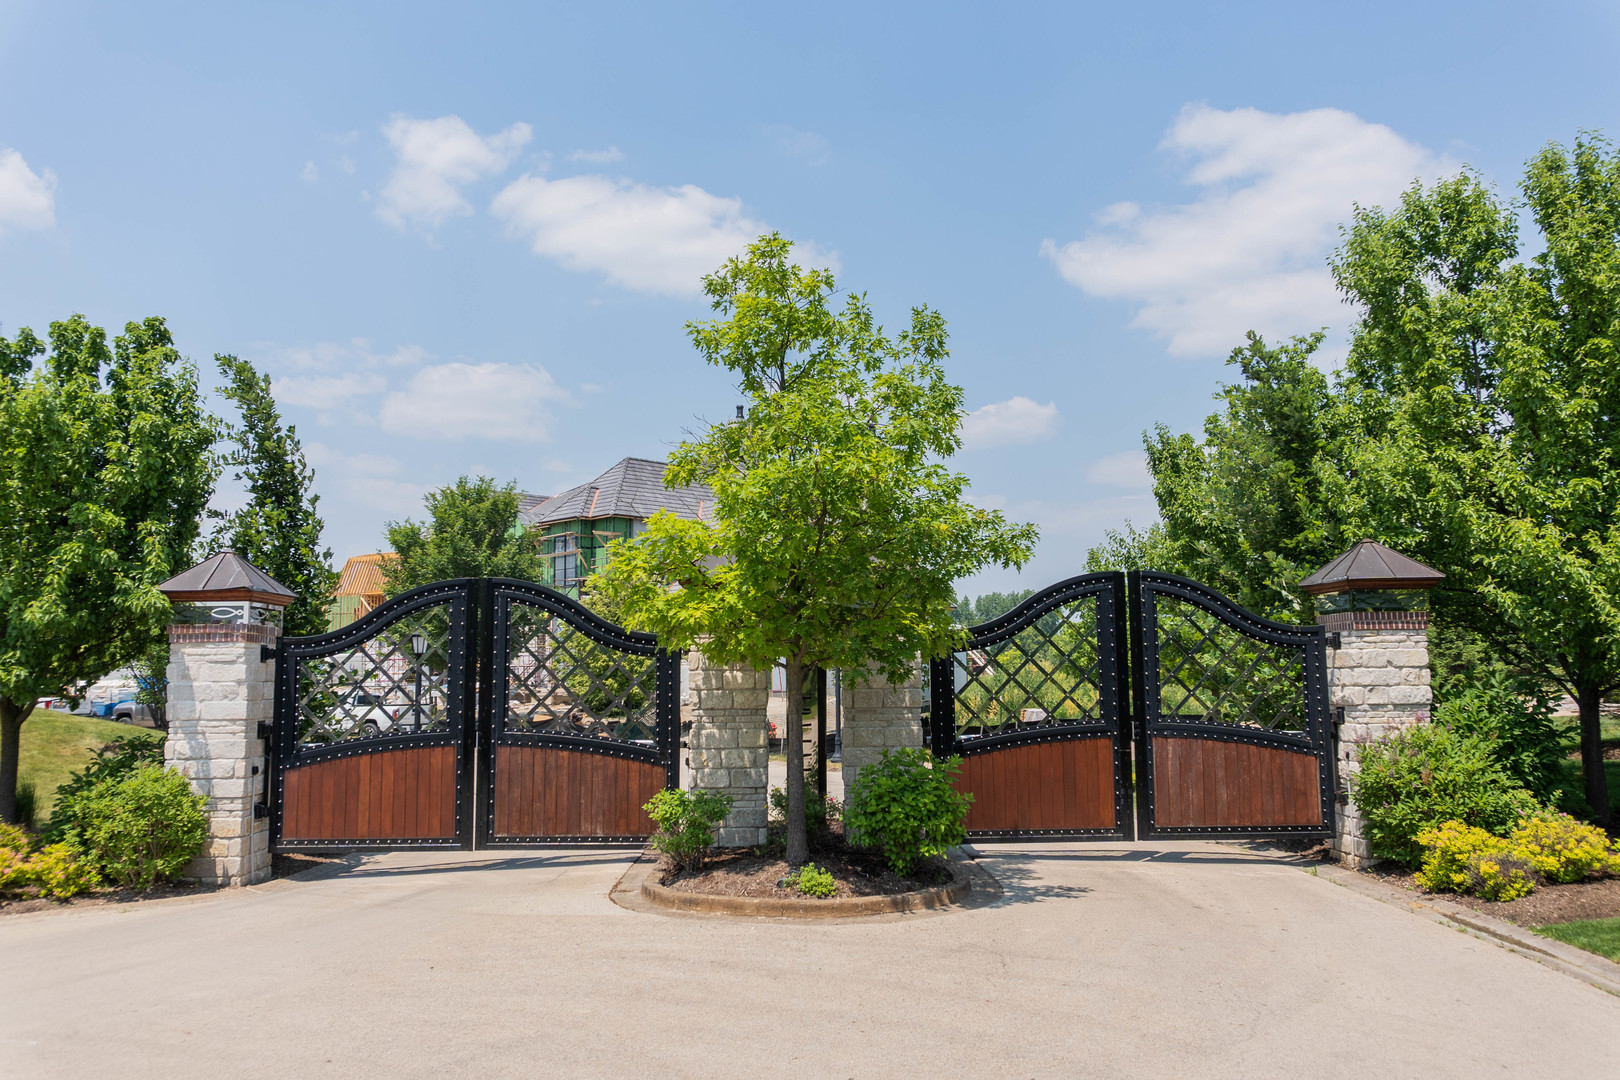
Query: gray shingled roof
(1371, 565)
(527, 502)
(226, 571)
(634, 488)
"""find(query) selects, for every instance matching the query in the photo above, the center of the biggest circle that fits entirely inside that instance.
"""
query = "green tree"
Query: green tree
(837, 531)
(1246, 510)
(105, 471)
(989, 606)
(279, 530)
(472, 531)
(1486, 393)
(1131, 548)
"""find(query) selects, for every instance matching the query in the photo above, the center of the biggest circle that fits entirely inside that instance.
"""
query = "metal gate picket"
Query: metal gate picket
(1233, 733)
(1035, 705)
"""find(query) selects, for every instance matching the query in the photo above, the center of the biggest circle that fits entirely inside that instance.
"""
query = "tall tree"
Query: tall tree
(105, 472)
(1486, 391)
(279, 530)
(472, 531)
(837, 531)
(1245, 511)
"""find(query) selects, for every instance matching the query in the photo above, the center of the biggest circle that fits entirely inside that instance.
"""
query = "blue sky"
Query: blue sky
(466, 238)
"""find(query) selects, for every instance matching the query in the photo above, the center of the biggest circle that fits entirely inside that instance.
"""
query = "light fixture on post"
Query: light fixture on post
(419, 647)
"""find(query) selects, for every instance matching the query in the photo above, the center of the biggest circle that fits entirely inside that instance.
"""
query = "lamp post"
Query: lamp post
(419, 647)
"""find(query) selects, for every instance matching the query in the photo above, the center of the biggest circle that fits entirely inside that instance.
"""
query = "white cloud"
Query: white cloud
(1123, 470)
(27, 198)
(327, 391)
(651, 239)
(311, 172)
(374, 481)
(436, 158)
(597, 157)
(509, 402)
(1014, 422)
(1250, 251)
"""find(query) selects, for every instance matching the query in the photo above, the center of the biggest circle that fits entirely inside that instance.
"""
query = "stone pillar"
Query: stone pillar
(1379, 675)
(219, 691)
(727, 744)
(879, 716)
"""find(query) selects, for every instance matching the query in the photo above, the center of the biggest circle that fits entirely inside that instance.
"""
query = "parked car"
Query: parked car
(133, 712)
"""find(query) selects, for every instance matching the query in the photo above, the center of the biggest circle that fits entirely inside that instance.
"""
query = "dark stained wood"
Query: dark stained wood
(1056, 785)
(546, 791)
(1206, 783)
(391, 795)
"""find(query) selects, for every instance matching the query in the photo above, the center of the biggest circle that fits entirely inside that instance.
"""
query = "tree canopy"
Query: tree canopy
(279, 530)
(471, 531)
(105, 472)
(837, 531)
(1476, 426)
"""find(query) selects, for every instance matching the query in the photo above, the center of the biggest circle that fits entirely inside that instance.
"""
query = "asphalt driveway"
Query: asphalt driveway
(1182, 960)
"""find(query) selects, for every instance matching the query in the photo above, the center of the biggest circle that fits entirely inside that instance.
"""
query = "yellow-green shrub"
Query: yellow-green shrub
(1461, 858)
(59, 874)
(1562, 849)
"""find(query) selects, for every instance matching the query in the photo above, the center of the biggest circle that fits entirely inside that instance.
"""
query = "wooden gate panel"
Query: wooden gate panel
(545, 791)
(1067, 785)
(406, 794)
(1208, 783)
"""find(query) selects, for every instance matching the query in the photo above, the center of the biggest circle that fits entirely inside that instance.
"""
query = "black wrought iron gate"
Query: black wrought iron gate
(478, 709)
(1115, 706)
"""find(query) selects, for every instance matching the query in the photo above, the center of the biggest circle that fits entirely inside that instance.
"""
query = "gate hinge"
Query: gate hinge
(261, 811)
(268, 653)
(1338, 718)
(267, 730)
(1334, 641)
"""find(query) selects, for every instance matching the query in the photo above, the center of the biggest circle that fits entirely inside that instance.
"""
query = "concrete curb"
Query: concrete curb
(849, 907)
(1588, 967)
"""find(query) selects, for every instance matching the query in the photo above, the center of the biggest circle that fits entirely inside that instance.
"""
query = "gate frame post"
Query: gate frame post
(728, 746)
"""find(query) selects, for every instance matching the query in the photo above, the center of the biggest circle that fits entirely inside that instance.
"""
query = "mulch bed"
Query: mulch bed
(104, 897)
(1597, 899)
(755, 872)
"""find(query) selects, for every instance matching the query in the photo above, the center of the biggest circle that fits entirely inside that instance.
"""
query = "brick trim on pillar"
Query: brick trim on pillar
(1379, 676)
(219, 690)
(879, 716)
(727, 747)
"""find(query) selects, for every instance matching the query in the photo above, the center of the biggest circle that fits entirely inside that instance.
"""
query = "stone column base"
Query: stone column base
(727, 745)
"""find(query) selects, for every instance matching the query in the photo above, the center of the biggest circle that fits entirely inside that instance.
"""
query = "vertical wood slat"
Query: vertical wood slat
(406, 794)
(1064, 785)
(547, 791)
(1207, 783)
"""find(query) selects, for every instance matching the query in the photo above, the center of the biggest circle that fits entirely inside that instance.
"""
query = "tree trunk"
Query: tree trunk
(1597, 785)
(12, 716)
(798, 842)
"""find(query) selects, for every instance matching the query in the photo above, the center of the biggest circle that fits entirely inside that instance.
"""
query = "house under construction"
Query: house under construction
(574, 528)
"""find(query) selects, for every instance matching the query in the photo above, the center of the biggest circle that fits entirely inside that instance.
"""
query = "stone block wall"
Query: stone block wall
(879, 716)
(727, 745)
(1380, 677)
(218, 692)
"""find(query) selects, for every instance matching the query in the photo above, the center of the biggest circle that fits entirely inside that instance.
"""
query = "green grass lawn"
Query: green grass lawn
(56, 744)
(1572, 746)
(1601, 936)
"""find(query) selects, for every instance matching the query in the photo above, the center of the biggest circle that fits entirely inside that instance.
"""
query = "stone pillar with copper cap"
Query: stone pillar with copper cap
(221, 687)
(1376, 603)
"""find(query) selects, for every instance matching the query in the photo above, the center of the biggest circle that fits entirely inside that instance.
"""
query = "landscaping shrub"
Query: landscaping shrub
(1519, 729)
(905, 806)
(1462, 858)
(139, 829)
(60, 874)
(113, 762)
(1563, 850)
(1425, 776)
(54, 870)
(811, 880)
(686, 822)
